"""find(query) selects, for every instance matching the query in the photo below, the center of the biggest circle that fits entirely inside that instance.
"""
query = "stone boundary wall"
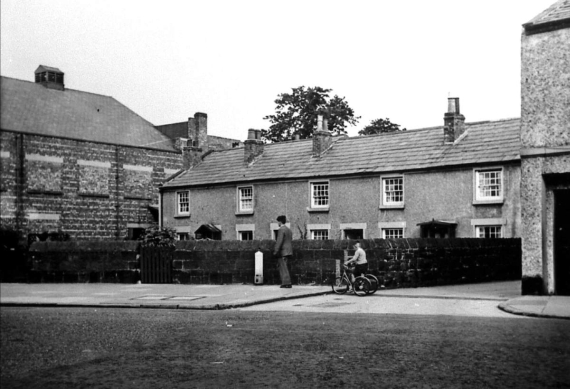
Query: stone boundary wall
(398, 262)
(84, 261)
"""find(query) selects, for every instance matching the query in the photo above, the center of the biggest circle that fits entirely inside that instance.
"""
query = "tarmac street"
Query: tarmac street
(242, 336)
(94, 347)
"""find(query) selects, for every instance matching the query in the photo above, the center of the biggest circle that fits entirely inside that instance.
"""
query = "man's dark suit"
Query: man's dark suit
(283, 250)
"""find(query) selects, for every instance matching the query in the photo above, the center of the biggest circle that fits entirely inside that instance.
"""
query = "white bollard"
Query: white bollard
(258, 268)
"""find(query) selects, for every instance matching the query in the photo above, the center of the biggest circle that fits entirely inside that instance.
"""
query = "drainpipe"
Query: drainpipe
(160, 206)
(117, 203)
(20, 184)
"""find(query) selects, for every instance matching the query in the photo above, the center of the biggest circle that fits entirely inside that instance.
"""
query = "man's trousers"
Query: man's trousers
(283, 270)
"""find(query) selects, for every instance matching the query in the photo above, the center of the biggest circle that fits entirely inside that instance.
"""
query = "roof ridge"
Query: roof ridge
(66, 88)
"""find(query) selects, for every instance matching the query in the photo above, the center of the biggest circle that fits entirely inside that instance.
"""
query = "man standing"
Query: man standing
(283, 251)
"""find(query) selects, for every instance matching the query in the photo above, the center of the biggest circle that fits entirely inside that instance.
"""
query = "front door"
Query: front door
(562, 242)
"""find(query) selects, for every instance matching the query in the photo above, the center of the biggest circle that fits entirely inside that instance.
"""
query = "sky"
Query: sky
(169, 59)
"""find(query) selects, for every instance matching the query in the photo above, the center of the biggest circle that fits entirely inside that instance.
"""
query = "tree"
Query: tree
(296, 114)
(379, 126)
(159, 237)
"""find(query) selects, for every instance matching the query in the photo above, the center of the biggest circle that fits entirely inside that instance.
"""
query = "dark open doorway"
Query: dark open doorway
(351, 233)
(562, 241)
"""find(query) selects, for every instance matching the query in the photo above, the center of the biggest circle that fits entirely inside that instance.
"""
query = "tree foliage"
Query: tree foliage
(159, 237)
(379, 126)
(296, 114)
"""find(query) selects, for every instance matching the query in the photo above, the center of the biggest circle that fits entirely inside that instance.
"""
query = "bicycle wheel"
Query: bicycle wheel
(340, 285)
(373, 283)
(361, 286)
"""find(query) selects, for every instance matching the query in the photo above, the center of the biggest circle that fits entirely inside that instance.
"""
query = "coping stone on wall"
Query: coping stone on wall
(327, 245)
(205, 245)
(266, 244)
(340, 244)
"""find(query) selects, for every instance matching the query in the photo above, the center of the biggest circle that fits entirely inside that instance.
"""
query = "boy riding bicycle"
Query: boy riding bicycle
(359, 259)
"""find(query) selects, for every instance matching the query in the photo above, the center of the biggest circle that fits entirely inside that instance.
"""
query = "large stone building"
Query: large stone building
(457, 180)
(83, 164)
(545, 153)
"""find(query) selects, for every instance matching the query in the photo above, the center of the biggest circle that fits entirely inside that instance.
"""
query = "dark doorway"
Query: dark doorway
(209, 232)
(562, 242)
(437, 229)
(353, 234)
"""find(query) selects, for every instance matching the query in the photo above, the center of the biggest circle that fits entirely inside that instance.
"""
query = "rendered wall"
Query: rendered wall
(545, 137)
(444, 195)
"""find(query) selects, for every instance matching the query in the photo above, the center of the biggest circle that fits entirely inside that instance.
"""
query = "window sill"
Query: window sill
(395, 206)
(246, 213)
(93, 195)
(181, 216)
(137, 198)
(318, 209)
(46, 192)
(489, 202)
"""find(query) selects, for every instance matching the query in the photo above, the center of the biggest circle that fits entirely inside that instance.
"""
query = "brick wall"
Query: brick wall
(398, 262)
(85, 189)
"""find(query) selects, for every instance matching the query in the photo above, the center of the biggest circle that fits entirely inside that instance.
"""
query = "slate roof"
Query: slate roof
(482, 143)
(556, 14)
(31, 108)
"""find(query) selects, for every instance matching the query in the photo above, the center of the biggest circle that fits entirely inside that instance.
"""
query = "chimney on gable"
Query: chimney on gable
(51, 78)
(198, 130)
(253, 146)
(453, 121)
(322, 138)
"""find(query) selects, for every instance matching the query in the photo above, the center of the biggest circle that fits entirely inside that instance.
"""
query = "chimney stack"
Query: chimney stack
(322, 138)
(191, 156)
(454, 122)
(198, 130)
(253, 147)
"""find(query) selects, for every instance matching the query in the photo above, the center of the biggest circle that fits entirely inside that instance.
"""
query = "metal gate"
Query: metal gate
(156, 265)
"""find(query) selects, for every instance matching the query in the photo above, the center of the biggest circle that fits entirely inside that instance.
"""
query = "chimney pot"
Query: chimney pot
(251, 134)
(453, 105)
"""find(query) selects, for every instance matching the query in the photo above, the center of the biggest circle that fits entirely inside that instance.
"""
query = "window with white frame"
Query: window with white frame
(182, 236)
(183, 202)
(245, 235)
(488, 232)
(392, 233)
(489, 185)
(320, 194)
(393, 191)
(245, 199)
(319, 234)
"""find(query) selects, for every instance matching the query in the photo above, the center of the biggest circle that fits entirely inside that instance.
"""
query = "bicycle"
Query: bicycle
(373, 283)
(342, 284)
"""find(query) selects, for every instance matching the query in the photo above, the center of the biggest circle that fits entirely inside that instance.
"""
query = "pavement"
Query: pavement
(174, 296)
